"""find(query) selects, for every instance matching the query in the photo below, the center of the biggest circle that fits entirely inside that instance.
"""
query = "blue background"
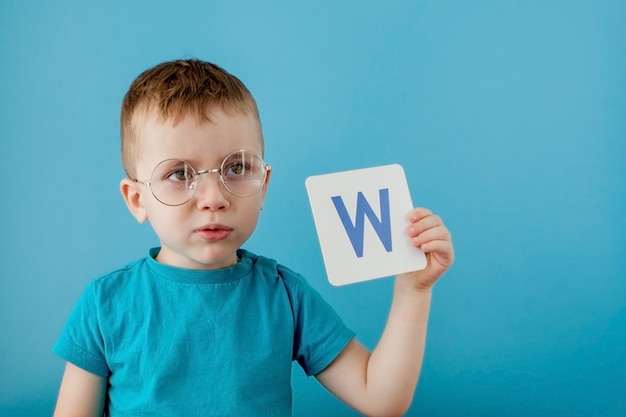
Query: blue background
(509, 118)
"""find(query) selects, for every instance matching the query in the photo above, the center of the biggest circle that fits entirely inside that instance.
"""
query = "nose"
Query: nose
(210, 192)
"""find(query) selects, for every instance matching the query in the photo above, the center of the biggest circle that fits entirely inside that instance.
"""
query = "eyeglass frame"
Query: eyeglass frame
(197, 174)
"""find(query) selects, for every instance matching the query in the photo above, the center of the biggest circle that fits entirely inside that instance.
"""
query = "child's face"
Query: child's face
(206, 231)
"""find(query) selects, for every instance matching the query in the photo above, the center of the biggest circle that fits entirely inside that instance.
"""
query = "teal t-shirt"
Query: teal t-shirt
(178, 342)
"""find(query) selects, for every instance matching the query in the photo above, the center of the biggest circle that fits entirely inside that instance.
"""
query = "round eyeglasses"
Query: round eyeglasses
(174, 182)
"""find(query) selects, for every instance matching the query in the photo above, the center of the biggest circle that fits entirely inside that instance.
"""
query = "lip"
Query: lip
(213, 232)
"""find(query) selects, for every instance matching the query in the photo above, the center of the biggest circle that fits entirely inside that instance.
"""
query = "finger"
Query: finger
(440, 247)
(436, 233)
(418, 213)
(425, 223)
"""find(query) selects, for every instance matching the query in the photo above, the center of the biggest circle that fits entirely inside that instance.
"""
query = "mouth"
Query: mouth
(213, 232)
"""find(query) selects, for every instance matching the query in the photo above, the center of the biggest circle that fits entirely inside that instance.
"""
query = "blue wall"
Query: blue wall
(509, 118)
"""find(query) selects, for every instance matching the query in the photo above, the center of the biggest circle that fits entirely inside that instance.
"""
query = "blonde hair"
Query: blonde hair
(176, 89)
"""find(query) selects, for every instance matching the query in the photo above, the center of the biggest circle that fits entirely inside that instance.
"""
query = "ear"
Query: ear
(132, 198)
(267, 181)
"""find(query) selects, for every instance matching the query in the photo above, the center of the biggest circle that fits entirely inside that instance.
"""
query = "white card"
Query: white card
(361, 221)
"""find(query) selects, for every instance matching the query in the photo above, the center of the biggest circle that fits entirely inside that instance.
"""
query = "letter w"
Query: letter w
(355, 230)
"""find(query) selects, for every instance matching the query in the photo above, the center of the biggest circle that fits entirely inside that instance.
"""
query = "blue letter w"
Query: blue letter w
(355, 231)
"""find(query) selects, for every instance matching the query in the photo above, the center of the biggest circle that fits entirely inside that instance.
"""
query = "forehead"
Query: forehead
(196, 139)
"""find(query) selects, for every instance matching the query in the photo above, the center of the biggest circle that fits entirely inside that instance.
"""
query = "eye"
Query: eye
(177, 172)
(236, 168)
(180, 175)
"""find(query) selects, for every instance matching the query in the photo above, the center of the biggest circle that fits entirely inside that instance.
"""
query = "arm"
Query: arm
(382, 383)
(82, 394)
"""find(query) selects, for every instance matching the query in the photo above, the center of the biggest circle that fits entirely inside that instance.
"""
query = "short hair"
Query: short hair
(176, 89)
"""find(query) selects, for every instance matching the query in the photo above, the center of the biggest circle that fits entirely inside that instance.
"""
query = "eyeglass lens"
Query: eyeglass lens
(174, 182)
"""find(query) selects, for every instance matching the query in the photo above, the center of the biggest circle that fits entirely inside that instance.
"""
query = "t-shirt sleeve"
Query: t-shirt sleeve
(81, 341)
(320, 334)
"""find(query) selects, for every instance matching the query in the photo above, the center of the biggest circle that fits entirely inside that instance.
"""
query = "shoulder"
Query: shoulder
(293, 284)
(118, 279)
(271, 269)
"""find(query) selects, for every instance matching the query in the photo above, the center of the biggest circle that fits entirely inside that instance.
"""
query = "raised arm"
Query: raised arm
(81, 394)
(382, 383)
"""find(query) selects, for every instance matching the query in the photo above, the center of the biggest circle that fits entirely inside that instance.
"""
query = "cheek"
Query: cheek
(252, 213)
(161, 217)
(255, 203)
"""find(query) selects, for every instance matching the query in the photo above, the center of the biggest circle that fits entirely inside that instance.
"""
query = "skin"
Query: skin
(377, 383)
(182, 230)
(382, 383)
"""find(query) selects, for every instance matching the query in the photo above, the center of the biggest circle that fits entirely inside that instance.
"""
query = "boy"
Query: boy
(201, 326)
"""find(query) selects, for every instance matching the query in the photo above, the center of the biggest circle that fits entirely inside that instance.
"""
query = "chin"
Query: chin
(216, 260)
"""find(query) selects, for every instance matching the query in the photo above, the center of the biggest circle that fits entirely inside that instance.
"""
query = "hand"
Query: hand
(428, 233)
